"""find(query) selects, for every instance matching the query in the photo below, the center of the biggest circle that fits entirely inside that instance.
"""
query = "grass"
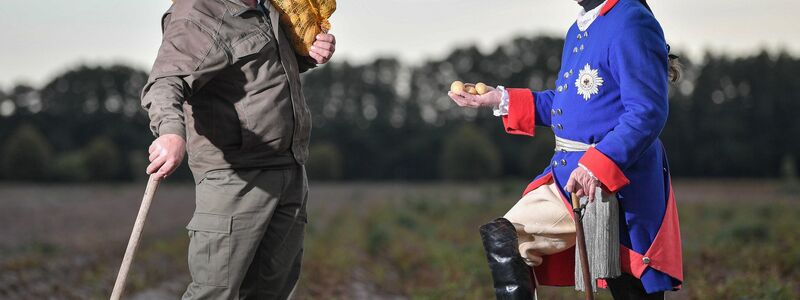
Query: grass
(429, 249)
(421, 249)
(372, 241)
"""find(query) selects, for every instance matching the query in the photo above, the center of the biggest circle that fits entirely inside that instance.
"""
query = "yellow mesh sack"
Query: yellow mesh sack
(304, 19)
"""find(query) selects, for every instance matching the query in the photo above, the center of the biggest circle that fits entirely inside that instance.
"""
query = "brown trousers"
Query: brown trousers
(247, 234)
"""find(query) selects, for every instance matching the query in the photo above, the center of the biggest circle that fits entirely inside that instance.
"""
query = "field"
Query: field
(377, 240)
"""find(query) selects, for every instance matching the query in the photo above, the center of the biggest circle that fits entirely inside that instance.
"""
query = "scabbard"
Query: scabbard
(581, 241)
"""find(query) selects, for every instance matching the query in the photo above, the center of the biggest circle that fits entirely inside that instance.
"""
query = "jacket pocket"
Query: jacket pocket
(209, 249)
(250, 44)
(215, 124)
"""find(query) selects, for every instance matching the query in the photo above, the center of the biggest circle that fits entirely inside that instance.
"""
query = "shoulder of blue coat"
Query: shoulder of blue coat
(632, 21)
(629, 12)
(573, 29)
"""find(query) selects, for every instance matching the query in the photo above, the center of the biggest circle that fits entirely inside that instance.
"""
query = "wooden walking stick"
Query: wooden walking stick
(122, 276)
(587, 279)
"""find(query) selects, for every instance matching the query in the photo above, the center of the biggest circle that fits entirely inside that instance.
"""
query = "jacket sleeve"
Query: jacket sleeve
(638, 62)
(527, 110)
(187, 59)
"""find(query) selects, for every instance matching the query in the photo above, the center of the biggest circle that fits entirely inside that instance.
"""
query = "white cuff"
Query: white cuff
(502, 108)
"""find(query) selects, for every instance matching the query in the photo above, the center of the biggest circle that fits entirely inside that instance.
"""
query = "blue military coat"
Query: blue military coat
(612, 92)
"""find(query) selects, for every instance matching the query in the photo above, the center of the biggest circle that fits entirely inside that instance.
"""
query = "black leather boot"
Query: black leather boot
(512, 277)
(627, 287)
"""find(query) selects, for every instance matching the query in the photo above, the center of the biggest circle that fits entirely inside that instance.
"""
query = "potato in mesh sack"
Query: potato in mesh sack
(304, 19)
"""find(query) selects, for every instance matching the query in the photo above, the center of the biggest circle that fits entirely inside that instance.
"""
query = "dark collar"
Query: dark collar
(589, 5)
(608, 6)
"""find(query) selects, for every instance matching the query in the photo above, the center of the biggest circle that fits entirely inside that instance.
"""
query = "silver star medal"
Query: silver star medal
(588, 82)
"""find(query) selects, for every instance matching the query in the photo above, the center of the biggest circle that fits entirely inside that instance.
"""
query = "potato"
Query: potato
(481, 88)
(457, 87)
(470, 88)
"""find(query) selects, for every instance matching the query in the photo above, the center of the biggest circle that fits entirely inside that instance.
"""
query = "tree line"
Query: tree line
(383, 120)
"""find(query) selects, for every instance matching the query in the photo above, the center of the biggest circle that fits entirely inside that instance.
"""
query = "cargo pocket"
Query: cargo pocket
(209, 249)
(250, 44)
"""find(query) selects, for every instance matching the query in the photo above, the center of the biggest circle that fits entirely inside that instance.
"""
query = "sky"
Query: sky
(40, 39)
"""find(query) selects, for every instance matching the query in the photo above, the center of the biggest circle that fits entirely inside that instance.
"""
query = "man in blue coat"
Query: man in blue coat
(607, 109)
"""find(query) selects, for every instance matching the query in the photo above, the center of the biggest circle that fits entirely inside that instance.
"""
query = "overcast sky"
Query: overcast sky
(39, 39)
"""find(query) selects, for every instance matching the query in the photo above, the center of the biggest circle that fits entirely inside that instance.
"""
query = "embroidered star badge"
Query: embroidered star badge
(588, 82)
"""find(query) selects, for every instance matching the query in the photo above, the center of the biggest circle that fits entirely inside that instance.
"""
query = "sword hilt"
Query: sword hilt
(576, 202)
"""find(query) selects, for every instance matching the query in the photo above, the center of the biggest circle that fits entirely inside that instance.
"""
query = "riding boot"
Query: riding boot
(512, 277)
(627, 287)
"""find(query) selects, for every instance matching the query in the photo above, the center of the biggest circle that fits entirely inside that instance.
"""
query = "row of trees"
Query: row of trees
(730, 116)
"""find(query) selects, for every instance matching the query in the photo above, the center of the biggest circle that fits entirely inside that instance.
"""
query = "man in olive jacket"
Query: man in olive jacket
(225, 87)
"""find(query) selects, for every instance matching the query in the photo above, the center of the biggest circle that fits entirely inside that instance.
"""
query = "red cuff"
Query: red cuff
(521, 118)
(604, 169)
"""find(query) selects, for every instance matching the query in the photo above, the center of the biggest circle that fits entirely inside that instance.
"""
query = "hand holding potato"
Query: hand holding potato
(474, 95)
(475, 89)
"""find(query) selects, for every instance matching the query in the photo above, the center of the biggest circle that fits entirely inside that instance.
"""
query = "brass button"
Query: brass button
(563, 162)
(552, 112)
(575, 50)
(645, 260)
(566, 75)
(559, 111)
(560, 127)
(582, 48)
(555, 164)
(560, 88)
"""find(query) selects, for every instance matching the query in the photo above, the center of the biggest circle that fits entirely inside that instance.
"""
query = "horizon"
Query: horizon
(694, 57)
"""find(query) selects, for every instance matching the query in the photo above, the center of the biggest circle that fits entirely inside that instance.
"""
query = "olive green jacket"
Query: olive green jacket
(227, 79)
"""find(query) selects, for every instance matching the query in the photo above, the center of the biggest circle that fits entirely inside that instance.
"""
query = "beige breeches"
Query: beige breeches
(544, 225)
